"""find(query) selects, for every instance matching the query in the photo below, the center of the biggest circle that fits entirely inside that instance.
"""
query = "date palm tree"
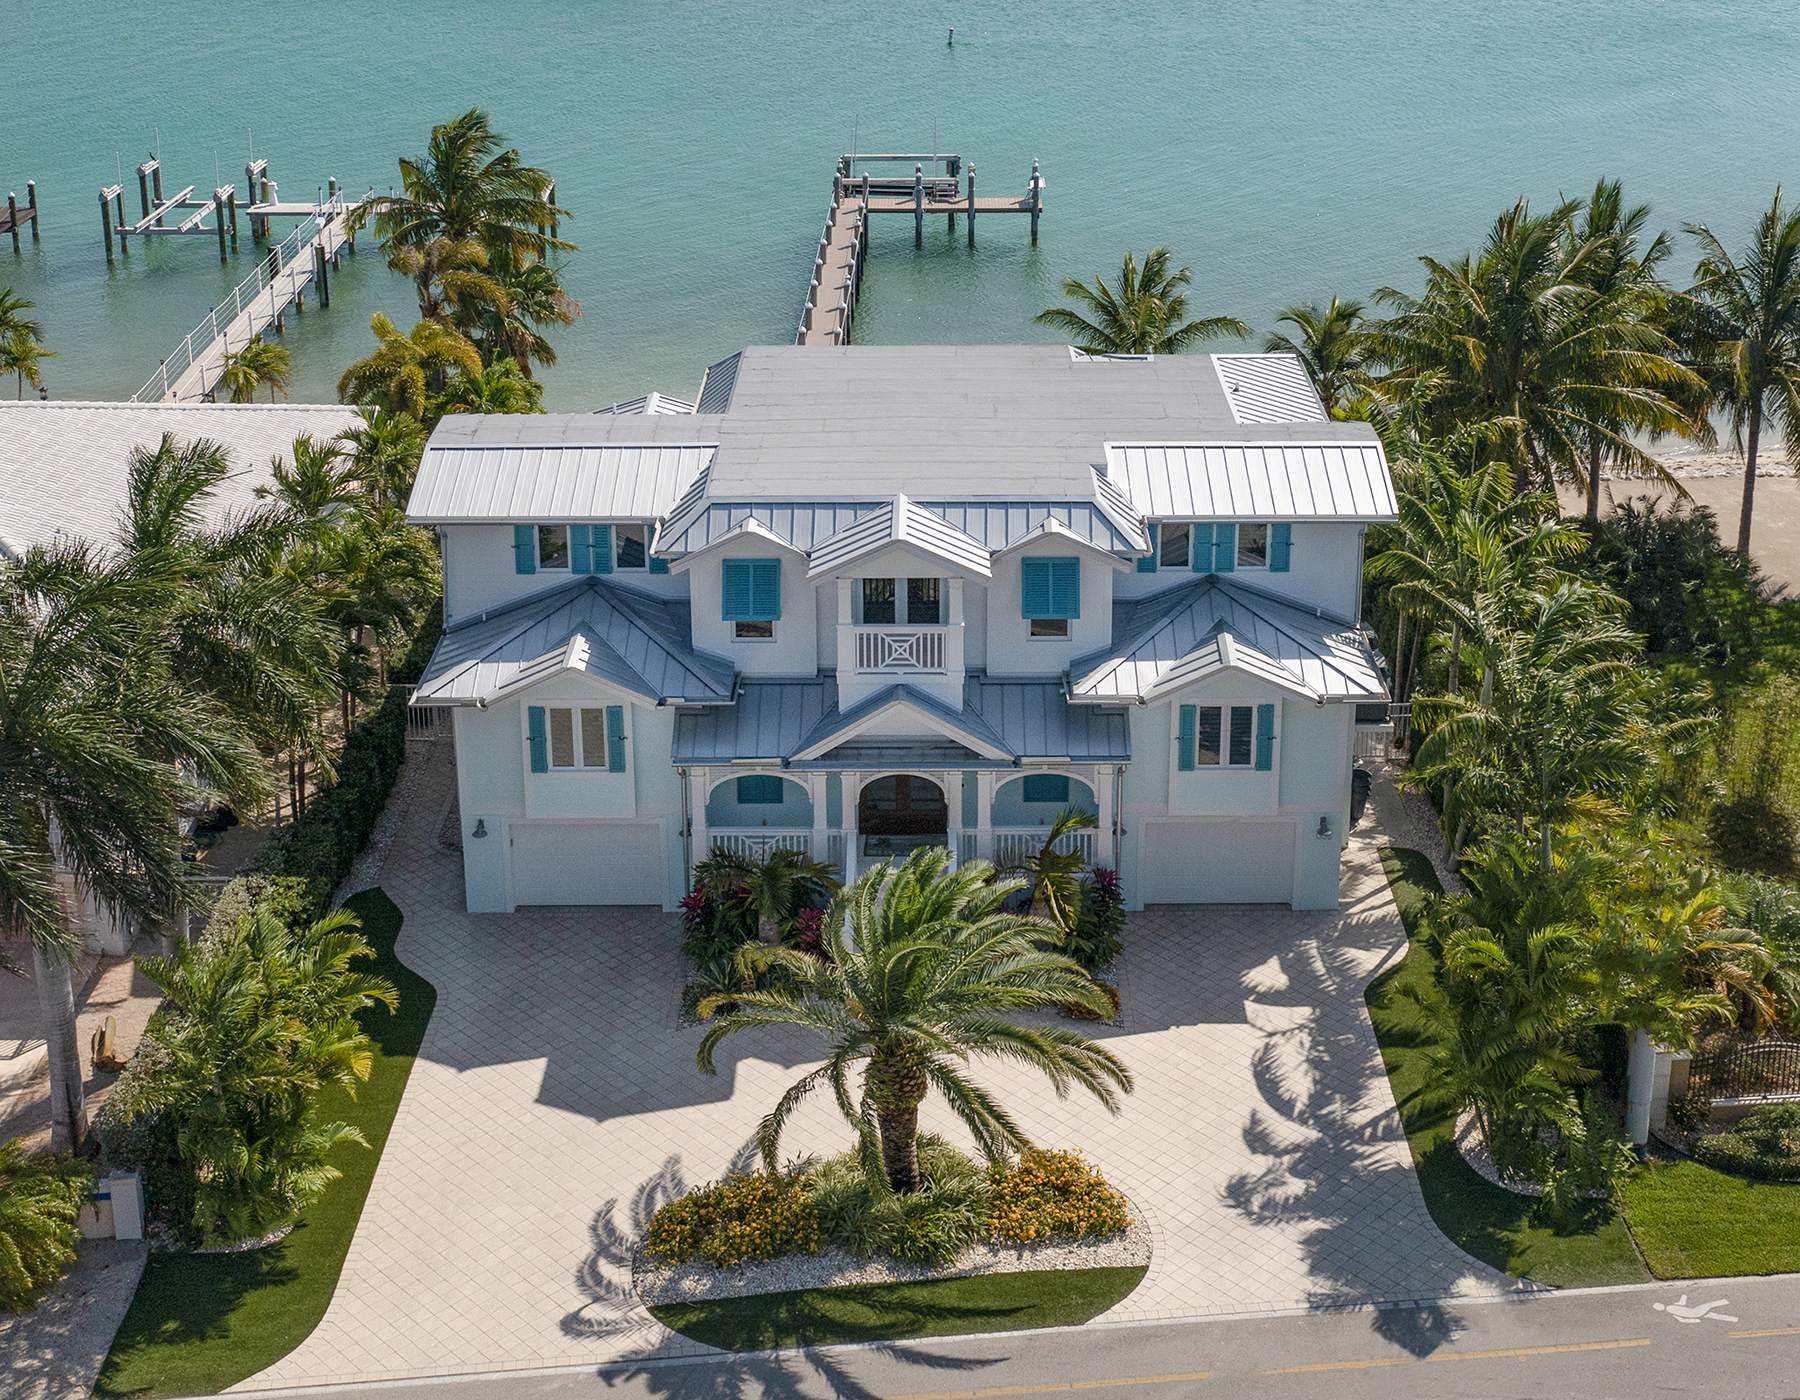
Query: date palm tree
(1333, 346)
(1748, 337)
(1142, 315)
(405, 370)
(21, 354)
(922, 968)
(257, 364)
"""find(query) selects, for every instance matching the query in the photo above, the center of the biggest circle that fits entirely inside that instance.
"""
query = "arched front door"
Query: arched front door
(897, 815)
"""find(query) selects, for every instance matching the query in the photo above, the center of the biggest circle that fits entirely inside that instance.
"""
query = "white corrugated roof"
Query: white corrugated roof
(1254, 481)
(900, 521)
(652, 404)
(1269, 389)
(466, 484)
(63, 465)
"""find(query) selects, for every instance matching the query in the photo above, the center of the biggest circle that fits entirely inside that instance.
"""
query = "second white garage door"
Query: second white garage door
(588, 863)
(1217, 863)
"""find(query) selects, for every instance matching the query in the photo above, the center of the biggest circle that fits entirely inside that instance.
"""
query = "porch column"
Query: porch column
(702, 843)
(951, 783)
(1101, 782)
(955, 668)
(984, 814)
(821, 837)
(853, 781)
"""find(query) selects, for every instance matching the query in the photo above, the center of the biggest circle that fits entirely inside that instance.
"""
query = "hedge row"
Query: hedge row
(321, 846)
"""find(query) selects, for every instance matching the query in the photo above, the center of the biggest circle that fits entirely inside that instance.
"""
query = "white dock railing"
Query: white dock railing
(217, 322)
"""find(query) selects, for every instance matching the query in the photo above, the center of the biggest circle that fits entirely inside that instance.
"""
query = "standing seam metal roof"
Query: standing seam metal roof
(899, 521)
(1255, 481)
(1269, 389)
(471, 484)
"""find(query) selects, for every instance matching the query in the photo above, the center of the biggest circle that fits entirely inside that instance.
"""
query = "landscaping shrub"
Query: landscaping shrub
(1767, 1144)
(1757, 826)
(1095, 940)
(1755, 832)
(1079, 1012)
(1052, 1195)
(932, 1225)
(1690, 1112)
(320, 847)
(40, 1201)
(742, 1219)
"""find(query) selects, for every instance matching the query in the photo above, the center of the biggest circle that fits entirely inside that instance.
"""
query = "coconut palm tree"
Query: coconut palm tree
(922, 966)
(385, 452)
(1143, 315)
(319, 484)
(1747, 337)
(13, 317)
(774, 887)
(502, 387)
(1053, 876)
(1333, 346)
(20, 354)
(467, 187)
(451, 278)
(405, 370)
(257, 364)
(534, 297)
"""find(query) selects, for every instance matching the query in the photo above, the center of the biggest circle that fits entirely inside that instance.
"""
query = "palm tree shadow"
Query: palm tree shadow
(788, 1375)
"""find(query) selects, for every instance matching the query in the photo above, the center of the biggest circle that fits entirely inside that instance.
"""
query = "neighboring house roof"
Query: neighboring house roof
(462, 485)
(899, 521)
(651, 403)
(1269, 389)
(717, 383)
(1317, 480)
(63, 466)
(1173, 639)
(639, 643)
(775, 720)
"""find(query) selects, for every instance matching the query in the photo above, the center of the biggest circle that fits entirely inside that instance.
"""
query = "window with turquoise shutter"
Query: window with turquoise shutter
(615, 738)
(1147, 565)
(581, 554)
(1184, 739)
(1203, 546)
(750, 590)
(1281, 547)
(1265, 738)
(524, 549)
(537, 739)
(1224, 548)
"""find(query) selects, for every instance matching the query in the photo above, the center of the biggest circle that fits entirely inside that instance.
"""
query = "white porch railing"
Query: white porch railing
(1013, 844)
(758, 841)
(900, 648)
(1374, 740)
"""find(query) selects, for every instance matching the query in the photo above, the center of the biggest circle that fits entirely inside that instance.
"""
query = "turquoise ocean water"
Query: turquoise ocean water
(1286, 151)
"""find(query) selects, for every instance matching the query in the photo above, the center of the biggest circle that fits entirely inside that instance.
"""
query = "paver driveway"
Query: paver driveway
(555, 1103)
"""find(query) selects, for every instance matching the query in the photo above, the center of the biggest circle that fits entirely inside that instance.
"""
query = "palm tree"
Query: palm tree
(774, 888)
(21, 354)
(467, 188)
(503, 387)
(319, 484)
(96, 729)
(1518, 336)
(1332, 345)
(1053, 876)
(451, 279)
(1747, 337)
(257, 364)
(1142, 317)
(386, 452)
(534, 297)
(405, 369)
(13, 317)
(922, 966)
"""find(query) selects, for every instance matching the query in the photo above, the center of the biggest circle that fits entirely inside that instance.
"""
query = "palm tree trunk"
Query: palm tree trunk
(56, 1004)
(900, 1147)
(1743, 544)
(767, 929)
(1593, 491)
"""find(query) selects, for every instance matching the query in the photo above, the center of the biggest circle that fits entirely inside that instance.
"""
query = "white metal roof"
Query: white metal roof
(1255, 481)
(63, 465)
(900, 521)
(651, 404)
(459, 483)
(1269, 389)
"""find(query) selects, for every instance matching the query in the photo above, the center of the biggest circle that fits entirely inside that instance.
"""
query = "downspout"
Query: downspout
(1118, 814)
(687, 838)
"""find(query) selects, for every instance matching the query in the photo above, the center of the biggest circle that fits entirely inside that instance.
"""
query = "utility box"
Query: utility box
(127, 1192)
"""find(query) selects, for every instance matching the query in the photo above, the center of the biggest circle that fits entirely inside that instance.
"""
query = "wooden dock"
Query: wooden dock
(829, 315)
(192, 373)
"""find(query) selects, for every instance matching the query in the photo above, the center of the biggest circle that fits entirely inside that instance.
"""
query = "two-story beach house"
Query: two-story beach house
(856, 600)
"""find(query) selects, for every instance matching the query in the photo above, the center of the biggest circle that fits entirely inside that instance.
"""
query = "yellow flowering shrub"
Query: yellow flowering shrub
(742, 1219)
(1051, 1195)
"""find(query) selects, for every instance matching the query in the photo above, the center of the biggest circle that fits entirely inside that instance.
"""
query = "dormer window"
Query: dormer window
(1253, 546)
(1219, 547)
(1049, 594)
(750, 598)
(1175, 544)
(881, 602)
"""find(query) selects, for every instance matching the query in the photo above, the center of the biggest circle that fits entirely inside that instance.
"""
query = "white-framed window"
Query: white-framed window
(567, 738)
(761, 631)
(1174, 544)
(631, 547)
(1252, 546)
(553, 547)
(1224, 736)
(888, 602)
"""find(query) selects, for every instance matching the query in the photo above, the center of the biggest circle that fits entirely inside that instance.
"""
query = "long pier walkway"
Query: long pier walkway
(191, 374)
(829, 314)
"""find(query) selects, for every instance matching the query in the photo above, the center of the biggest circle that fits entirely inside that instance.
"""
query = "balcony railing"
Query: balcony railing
(759, 841)
(1013, 844)
(900, 649)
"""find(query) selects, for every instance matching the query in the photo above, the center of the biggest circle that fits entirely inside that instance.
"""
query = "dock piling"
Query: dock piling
(971, 204)
(31, 203)
(919, 206)
(219, 219)
(144, 188)
(106, 220)
(12, 210)
(231, 209)
(156, 186)
(323, 276)
(1037, 197)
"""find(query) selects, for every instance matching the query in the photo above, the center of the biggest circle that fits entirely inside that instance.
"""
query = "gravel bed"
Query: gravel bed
(1406, 819)
(1474, 1149)
(832, 1267)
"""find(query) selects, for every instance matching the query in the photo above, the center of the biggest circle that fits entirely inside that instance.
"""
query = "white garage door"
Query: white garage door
(1217, 863)
(588, 863)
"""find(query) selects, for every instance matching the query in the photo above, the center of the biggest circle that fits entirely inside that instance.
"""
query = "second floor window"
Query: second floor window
(750, 597)
(628, 547)
(562, 739)
(1219, 547)
(1049, 594)
(882, 602)
(553, 546)
(1225, 736)
(1176, 536)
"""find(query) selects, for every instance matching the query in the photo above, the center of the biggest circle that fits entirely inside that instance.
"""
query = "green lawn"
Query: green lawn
(1494, 1225)
(888, 1312)
(199, 1323)
(1694, 1222)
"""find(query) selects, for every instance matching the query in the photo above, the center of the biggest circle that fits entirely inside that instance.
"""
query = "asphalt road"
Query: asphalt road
(1728, 1338)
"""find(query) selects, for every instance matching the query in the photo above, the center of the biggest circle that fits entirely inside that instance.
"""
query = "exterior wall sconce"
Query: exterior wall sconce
(481, 828)
(1324, 831)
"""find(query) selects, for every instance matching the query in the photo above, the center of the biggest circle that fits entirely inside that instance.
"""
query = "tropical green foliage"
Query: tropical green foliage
(40, 1200)
(931, 1225)
(765, 892)
(921, 966)
(1144, 313)
(257, 364)
(1333, 344)
(1767, 1144)
(1053, 877)
(21, 342)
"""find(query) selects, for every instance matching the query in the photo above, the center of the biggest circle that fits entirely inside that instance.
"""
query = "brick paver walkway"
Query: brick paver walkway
(555, 1104)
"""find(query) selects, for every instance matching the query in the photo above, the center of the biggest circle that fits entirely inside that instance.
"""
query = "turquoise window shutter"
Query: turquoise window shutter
(524, 550)
(1148, 566)
(581, 554)
(1034, 588)
(750, 590)
(734, 590)
(615, 738)
(1265, 738)
(1200, 547)
(534, 728)
(1224, 548)
(1281, 547)
(658, 566)
(765, 589)
(603, 549)
(1065, 588)
(1184, 740)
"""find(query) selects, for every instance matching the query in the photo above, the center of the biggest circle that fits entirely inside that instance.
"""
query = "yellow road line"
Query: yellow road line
(1770, 1332)
(1340, 1366)
(1540, 1351)
(1059, 1386)
(1145, 1380)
